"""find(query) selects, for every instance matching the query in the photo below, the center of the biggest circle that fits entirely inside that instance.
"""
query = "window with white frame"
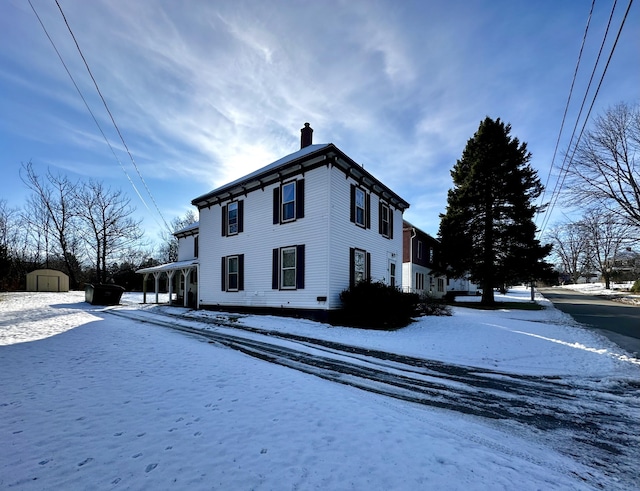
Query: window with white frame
(288, 268)
(384, 220)
(440, 285)
(360, 207)
(289, 201)
(233, 275)
(232, 218)
(359, 266)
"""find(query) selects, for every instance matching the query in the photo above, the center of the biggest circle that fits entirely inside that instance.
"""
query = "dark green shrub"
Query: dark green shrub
(636, 287)
(375, 305)
(430, 305)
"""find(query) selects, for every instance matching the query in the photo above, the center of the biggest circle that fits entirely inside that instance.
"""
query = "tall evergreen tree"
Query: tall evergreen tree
(488, 230)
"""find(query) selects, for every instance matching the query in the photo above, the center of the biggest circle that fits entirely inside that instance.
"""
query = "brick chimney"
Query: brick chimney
(306, 136)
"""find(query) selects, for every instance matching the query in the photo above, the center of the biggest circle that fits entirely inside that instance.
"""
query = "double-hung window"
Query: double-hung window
(232, 218)
(359, 266)
(385, 220)
(232, 214)
(232, 273)
(288, 268)
(288, 202)
(360, 207)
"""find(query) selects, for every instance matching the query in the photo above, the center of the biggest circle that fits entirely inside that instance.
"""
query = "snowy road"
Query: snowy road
(592, 421)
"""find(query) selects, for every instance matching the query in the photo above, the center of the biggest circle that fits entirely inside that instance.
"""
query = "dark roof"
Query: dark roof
(298, 162)
(191, 229)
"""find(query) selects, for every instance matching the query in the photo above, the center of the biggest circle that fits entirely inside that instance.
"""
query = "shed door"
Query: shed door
(48, 283)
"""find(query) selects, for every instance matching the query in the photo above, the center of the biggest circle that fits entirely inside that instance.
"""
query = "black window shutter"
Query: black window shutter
(300, 198)
(241, 272)
(352, 266)
(223, 274)
(390, 223)
(300, 267)
(276, 205)
(275, 270)
(368, 266)
(353, 204)
(367, 206)
(224, 220)
(380, 217)
(240, 216)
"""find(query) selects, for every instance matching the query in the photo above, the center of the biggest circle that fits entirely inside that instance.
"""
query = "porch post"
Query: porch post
(144, 288)
(156, 275)
(185, 275)
(170, 274)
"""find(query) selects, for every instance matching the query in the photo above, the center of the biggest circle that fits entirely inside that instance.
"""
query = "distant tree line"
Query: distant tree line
(83, 228)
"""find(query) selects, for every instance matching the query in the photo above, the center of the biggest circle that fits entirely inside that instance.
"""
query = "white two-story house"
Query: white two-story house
(293, 235)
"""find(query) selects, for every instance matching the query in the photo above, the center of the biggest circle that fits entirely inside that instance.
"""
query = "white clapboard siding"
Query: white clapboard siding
(186, 248)
(325, 230)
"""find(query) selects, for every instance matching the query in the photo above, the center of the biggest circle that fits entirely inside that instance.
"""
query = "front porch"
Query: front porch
(187, 287)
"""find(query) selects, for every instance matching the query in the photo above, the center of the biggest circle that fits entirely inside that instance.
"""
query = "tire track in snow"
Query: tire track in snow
(596, 425)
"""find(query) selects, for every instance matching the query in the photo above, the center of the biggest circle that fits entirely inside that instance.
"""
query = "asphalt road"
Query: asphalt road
(617, 321)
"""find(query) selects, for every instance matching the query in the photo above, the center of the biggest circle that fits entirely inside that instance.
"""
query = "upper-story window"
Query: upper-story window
(196, 245)
(420, 249)
(385, 220)
(232, 214)
(360, 207)
(233, 218)
(288, 201)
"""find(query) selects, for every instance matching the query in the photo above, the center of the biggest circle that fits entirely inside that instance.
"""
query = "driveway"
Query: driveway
(618, 322)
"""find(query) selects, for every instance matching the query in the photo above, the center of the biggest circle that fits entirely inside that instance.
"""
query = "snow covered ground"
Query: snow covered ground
(91, 400)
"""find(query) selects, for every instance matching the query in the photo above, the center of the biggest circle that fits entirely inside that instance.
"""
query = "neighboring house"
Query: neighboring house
(626, 264)
(462, 286)
(420, 262)
(293, 235)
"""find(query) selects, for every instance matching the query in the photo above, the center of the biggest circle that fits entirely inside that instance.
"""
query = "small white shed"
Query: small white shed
(47, 280)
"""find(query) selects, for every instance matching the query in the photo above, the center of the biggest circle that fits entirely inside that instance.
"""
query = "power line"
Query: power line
(95, 83)
(565, 168)
(87, 105)
(566, 107)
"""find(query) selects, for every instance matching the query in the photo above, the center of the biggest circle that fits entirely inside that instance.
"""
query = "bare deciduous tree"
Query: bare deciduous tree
(107, 216)
(604, 169)
(607, 236)
(53, 216)
(169, 246)
(572, 249)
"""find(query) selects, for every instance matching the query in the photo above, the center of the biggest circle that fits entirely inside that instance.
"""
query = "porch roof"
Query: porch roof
(174, 266)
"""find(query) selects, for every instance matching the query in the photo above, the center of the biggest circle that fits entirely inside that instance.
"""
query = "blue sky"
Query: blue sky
(207, 91)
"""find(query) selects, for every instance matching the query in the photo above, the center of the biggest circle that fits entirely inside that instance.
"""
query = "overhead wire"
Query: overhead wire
(566, 107)
(568, 162)
(95, 83)
(166, 226)
(95, 120)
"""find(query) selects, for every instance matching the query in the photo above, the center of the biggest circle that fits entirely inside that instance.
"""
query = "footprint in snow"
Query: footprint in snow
(150, 467)
(85, 461)
(136, 456)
